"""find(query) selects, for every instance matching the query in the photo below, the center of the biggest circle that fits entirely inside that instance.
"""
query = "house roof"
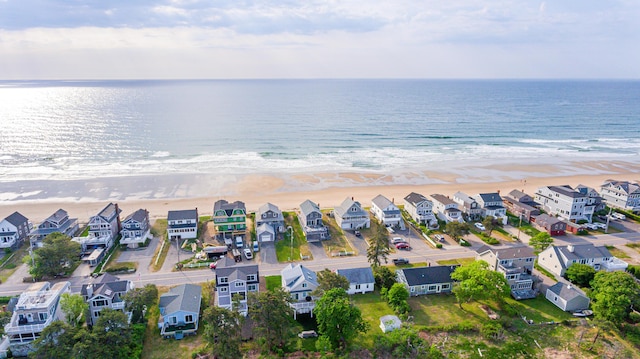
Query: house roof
(517, 194)
(625, 186)
(510, 252)
(183, 214)
(516, 203)
(545, 220)
(228, 207)
(428, 275)
(381, 201)
(464, 197)
(343, 208)
(357, 275)
(238, 272)
(16, 219)
(109, 211)
(567, 292)
(268, 207)
(566, 190)
(59, 215)
(307, 207)
(490, 197)
(185, 297)
(264, 228)
(583, 251)
(442, 199)
(138, 216)
(106, 285)
(292, 276)
(415, 198)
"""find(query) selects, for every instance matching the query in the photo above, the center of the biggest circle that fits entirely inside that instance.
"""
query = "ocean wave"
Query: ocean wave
(160, 154)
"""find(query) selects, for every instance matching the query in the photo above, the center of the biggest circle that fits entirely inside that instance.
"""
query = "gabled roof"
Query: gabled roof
(428, 275)
(268, 207)
(185, 297)
(566, 292)
(626, 186)
(138, 216)
(415, 198)
(293, 276)
(16, 219)
(109, 212)
(442, 199)
(510, 252)
(545, 220)
(566, 190)
(265, 228)
(490, 197)
(464, 197)
(57, 216)
(362, 275)
(228, 207)
(106, 285)
(183, 214)
(307, 207)
(583, 251)
(517, 194)
(382, 202)
(238, 272)
(343, 208)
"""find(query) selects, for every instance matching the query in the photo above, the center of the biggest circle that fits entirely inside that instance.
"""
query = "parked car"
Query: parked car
(239, 242)
(308, 334)
(619, 216)
(399, 261)
(591, 226)
(397, 240)
(403, 245)
(248, 253)
(357, 233)
(213, 265)
(439, 237)
(256, 246)
(601, 225)
(480, 226)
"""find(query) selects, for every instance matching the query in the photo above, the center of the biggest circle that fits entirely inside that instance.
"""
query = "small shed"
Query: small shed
(265, 233)
(389, 323)
(567, 297)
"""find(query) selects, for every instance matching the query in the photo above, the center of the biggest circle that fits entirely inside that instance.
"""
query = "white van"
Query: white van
(619, 216)
(256, 247)
(239, 242)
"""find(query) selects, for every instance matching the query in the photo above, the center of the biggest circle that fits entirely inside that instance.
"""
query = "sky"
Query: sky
(215, 39)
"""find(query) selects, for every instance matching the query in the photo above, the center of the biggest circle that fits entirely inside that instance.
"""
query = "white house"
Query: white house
(299, 281)
(106, 291)
(566, 203)
(426, 280)
(446, 209)
(182, 224)
(386, 212)
(556, 259)
(361, 280)
(420, 209)
(621, 194)
(567, 297)
(14, 229)
(469, 205)
(350, 215)
(492, 205)
(136, 229)
(180, 311)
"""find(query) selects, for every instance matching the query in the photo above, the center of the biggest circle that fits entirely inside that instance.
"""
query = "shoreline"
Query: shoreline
(176, 192)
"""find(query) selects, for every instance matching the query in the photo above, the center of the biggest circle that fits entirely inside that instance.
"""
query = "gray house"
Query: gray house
(270, 214)
(136, 229)
(516, 264)
(351, 215)
(236, 282)
(265, 233)
(361, 280)
(491, 204)
(426, 280)
(469, 206)
(105, 292)
(420, 209)
(14, 229)
(567, 297)
(180, 311)
(310, 219)
(57, 222)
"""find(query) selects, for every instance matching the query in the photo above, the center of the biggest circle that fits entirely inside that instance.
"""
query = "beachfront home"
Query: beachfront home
(299, 281)
(180, 311)
(556, 259)
(386, 212)
(136, 229)
(521, 205)
(105, 291)
(271, 215)
(182, 224)
(593, 197)
(37, 308)
(420, 209)
(446, 209)
(229, 218)
(351, 215)
(57, 222)
(567, 297)
(469, 206)
(566, 203)
(515, 263)
(233, 285)
(426, 280)
(265, 233)
(310, 219)
(103, 230)
(361, 280)
(552, 225)
(14, 229)
(491, 204)
(621, 194)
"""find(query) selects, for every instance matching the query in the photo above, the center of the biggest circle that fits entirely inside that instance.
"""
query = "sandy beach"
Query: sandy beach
(159, 194)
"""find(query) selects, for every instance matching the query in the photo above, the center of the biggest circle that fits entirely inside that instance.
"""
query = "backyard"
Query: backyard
(338, 242)
(288, 250)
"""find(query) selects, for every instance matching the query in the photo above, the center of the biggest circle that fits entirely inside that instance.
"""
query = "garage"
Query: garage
(265, 233)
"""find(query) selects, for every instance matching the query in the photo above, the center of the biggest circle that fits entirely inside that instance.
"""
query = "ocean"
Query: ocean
(75, 130)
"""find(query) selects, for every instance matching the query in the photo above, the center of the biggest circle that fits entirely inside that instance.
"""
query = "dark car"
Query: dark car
(399, 261)
(403, 245)
(357, 233)
(308, 334)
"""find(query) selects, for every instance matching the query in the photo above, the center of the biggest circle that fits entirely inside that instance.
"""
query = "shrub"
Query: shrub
(491, 330)
(634, 317)
(438, 245)
(465, 243)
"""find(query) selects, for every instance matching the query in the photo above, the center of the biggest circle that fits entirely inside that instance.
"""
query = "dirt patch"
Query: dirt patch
(209, 234)
(490, 313)
(557, 354)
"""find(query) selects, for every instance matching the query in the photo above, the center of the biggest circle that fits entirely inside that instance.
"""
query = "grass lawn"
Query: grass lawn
(273, 281)
(372, 308)
(616, 252)
(635, 246)
(287, 251)
(338, 242)
(10, 262)
(539, 310)
(159, 229)
(460, 261)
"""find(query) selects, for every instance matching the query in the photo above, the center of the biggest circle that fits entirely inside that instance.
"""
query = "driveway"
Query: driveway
(267, 253)
(142, 256)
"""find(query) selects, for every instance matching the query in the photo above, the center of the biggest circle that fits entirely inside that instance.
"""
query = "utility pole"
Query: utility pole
(291, 241)
(608, 219)
(519, 225)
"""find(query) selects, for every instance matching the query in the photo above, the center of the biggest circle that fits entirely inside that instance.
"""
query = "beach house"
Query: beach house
(420, 209)
(361, 280)
(386, 212)
(37, 307)
(351, 215)
(57, 222)
(621, 194)
(468, 205)
(565, 202)
(446, 209)
(515, 263)
(180, 311)
(552, 225)
(310, 219)
(182, 224)
(271, 215)
(556, 259)
(491, 204)
(426, 280)
(14, 229)
(106, 291)
(299, 281)
(520, 204)
(593, 197)
(567, 297)
(229, 218)
(136, 229)
(104, 227)
(233, 285)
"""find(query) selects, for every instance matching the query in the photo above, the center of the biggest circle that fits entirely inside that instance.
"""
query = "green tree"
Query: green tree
(580, 274)
(5, 318)
(328, 279)
(490, 223)
(400, 343)
(58, 255)
(384, 277)
(338, 319)
(612, 295)
(138, 300)
(74, 307)
(56, 341)
(397, 298)
(476, 282)
(379, 249)
(223, 332)
(456, 229)
(271, 315)
(541, 241)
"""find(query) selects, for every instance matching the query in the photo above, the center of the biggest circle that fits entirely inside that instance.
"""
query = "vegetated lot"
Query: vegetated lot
(273, 281)
(11, 261)
(300, 246)
(617, 252)
(159, 229)
(635, 246)
(458, 261)
(338, 242)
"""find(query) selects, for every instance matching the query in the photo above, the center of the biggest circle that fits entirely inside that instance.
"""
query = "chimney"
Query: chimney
(570, 248)
(89, 290)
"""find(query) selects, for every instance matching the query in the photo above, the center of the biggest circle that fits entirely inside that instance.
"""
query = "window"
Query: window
(252, 287)
(239, 284)
(432, 288)
(222, 289)
(304, 285)
(251, 277)
(99, 303)
(223, 280)
(445, 286)
(42, 316)
(188, 318)
(357, 286)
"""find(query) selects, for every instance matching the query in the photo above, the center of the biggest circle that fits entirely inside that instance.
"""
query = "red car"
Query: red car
(403, 245)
